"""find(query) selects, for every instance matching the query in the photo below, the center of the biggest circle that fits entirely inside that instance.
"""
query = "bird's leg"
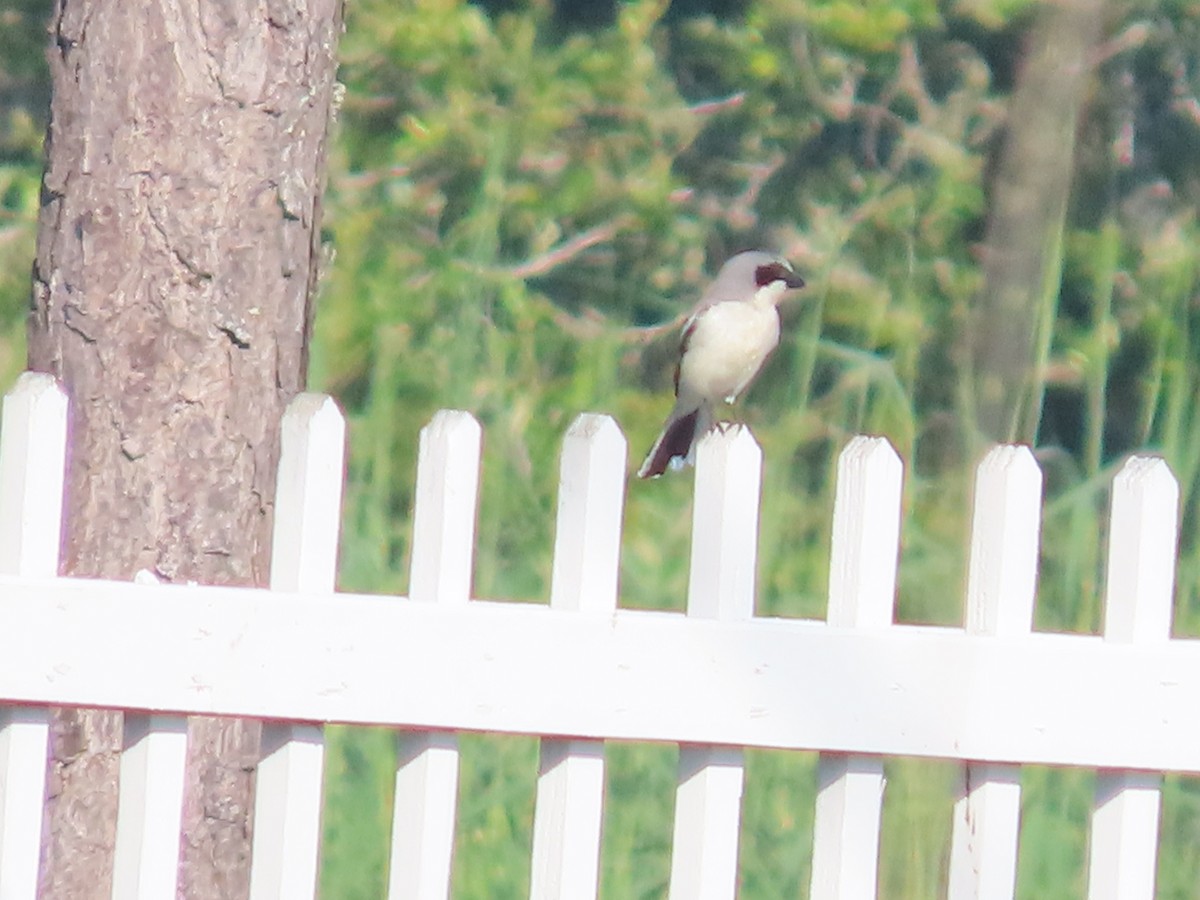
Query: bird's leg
(736, 421)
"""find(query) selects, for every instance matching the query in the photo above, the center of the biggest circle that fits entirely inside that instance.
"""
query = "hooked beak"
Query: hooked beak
(792, 280)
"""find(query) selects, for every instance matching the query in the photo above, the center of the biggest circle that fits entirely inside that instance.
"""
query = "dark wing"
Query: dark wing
(685, 338)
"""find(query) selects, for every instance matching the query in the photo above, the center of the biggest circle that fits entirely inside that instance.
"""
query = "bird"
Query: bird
(724, 343)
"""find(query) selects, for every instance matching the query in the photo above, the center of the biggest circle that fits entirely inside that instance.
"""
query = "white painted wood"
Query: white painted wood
(987, 825)
(708, 807)
(443, 542)
(423, 816)
(149, 808)
(992, 693)
(308, 498)
(1005, 532)
(1132, 712)
(440, 577)
(287, 812)
(567, 819)
(591, 495)
(1124, 843)
(849, 805)
(725, 526)
(1001, 585)
(1142, 541)
(704, 849)
(308, 495)
(862, 590)
(866, 535)
(570, 791)
(634, 675)
(33, 441)
(33, 435)
(23, 733)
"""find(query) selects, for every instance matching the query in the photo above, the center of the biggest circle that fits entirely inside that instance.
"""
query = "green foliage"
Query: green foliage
(19, 185)
(24, 93)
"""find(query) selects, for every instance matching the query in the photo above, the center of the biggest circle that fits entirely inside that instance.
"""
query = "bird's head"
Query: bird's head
(755, 275)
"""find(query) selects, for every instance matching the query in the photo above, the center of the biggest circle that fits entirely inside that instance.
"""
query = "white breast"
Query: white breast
(727, 346)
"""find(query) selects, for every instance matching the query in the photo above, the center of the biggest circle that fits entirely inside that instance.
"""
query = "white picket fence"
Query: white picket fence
(718, 679)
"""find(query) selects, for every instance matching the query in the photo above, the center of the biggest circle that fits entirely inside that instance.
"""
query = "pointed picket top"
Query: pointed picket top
(862, 589)
(720, 586)
(308, 512)
(308, 496)
(1142, 538)
(33, 447)
(725, 525)
(866, 534)
(590, 503)
(1001, 585)
(447, 492)
(1005, 529)
(570, 787)
(443, 546)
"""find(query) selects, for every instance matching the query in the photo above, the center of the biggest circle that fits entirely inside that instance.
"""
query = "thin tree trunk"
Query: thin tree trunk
(1023, 245)
(177, 258)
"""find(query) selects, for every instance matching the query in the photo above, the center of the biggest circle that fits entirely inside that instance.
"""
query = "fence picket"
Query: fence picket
(33, 439)
(570, 790)
(1001, 584)
(1142, 539)
(23, 734)
(308, 498)
(708, 804)
(704, 851)
(149, 807)
(862, 588)
(287, 812)
(567, 819)
(443, 545)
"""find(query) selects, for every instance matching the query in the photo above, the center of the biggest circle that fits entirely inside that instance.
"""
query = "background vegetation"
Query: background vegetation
(525, 195)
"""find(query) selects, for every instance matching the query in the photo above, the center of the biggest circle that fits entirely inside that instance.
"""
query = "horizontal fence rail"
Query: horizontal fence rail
(716, 679)
(634, 675)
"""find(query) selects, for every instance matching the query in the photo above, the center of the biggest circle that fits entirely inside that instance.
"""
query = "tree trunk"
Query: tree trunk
(177, 257)
(1023, 245)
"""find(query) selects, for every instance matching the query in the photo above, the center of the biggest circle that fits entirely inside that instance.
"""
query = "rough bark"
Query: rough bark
(1022, 247)
(177, 258)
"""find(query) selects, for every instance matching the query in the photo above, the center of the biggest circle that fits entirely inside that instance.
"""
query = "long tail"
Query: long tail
(676, 446)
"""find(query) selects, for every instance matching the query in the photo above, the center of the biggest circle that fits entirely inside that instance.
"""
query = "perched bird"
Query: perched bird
(725, 342)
